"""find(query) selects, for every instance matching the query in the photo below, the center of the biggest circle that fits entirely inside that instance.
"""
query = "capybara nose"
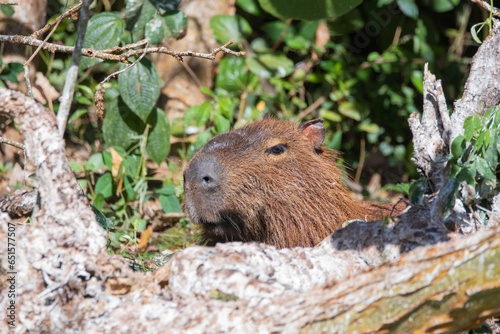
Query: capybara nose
(204, 173)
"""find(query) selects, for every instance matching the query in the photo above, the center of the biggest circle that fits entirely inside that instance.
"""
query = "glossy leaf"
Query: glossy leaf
(409, 8)
(100, 217)
(103, 31)
(158, 145)
(140, 88)
(250, 6)
(232, 75)
(269, 65)
(308, 10)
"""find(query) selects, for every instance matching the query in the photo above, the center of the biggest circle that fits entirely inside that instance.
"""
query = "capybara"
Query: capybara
(271, 181)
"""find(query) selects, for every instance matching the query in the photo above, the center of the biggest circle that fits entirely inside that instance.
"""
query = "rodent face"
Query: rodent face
(241, 179)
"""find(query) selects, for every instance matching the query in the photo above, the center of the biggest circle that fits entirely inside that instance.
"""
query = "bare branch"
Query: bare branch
(72, 11)
(51, 47)
(72, 74)
(12, 143)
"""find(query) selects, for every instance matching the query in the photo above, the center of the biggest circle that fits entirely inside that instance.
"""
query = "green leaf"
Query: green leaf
(490, 154)
(468, 175)
(442, 6)
(417, 189)
(250, 6)
(120, 125)
(170, 203)
(230, 28)
(175, 24)
(269, 65)
(154, 30)
(417, 80)
(222, 124)
(447, 196)
(369, 127)
(201, 113)
(133, 7)
(7, 10)
(103, 31)
(104, 185)
(308, 10)
(158, 145)
(409, 8)
(458, 146)
(484, 169)
(140, 88)
(232, 75)
(100, 217)
(99, 201)
(472, 125)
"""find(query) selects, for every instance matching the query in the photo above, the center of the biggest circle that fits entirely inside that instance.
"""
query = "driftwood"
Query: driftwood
(367, 277)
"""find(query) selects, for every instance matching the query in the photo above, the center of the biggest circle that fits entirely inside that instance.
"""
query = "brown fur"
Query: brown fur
(296, 198)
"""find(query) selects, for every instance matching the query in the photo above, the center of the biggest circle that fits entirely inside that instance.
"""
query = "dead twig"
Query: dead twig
(71, 12)
(12, 143)
(123, 58)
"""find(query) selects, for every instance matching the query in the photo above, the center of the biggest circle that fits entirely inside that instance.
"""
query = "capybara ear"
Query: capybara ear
(267, 116)
(313, 131)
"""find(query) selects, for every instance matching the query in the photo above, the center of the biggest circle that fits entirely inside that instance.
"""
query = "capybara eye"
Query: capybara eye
(277, 149)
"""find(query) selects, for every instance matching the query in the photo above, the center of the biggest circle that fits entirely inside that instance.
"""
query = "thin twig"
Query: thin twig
(361, 161)
(27, 63)
(485, 5)
(126, 47)
(51, 47)
(310, 109)
(9, 3)
(99, 94)
(70, 12)
(125, 69)
(72, 75)
(12, 143)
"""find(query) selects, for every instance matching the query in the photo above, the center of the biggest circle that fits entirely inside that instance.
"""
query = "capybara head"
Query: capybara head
(270, 181)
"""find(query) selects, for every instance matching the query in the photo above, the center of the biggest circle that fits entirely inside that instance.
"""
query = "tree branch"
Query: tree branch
(88, 52)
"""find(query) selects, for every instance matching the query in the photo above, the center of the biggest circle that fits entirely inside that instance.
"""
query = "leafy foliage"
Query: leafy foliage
(475, 162)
